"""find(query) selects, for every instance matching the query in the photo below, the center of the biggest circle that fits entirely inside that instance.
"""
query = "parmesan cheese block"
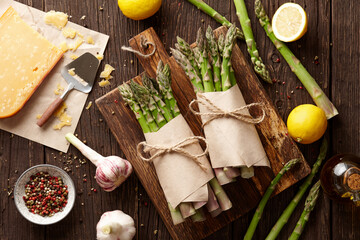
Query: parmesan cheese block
(26, 57)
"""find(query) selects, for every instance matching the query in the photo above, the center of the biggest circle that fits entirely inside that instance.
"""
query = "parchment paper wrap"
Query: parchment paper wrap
(232, 142)
(24, 122)
(181, 179)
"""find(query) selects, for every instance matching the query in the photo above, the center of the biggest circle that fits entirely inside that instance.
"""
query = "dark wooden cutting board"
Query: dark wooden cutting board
(244, 194)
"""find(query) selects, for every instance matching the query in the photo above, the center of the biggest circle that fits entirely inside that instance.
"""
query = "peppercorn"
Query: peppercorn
(45, 195)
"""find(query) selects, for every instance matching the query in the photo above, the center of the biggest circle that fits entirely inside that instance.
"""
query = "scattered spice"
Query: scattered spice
(45, 194)
(155, 232)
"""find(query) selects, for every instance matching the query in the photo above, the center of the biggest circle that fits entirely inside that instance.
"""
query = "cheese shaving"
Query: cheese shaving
(74, 56)
(56, 19)
(90, 40)
(71, 71)
(65, 120)
(64, 47)
(99, 56)
(89, 105)
(104, 83)
(69, 32)
(77, 44)
(107, 71)
(59, 89)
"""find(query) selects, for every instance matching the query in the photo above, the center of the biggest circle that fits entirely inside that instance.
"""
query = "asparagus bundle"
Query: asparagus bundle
(316, 93)
(156, 110)
(209, 68)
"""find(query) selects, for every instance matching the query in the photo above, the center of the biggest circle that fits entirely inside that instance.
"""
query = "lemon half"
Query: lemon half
(289, 22)
(139, 9)
(306, 123)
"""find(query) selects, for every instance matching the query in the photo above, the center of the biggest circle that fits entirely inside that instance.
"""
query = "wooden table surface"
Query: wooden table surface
(333, 36)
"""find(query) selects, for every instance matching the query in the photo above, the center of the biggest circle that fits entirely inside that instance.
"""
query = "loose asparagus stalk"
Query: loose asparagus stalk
(149, 85)
(260, 209)
(189, 70)
(309, 206)
(212, 13)
(206, 72)
(220, 194)
(142, 96)
(163, 76)
(304, 76)
(216, 60)
(128, 96)
(226, 61)
(259, 66)
(175, 215)
(294, 202)
(185, 49)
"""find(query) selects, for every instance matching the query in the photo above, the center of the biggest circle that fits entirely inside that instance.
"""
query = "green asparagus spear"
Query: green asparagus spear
(185, 49)
(203, 60)
(212, 13)
(128, 97)
(304, 76)
(189, 70)
(226, 62)
(294, 202)
(256, 60)
(149, 85)
(259, 211)
(175, 215)
(143, 100)
(163, 76)
(309, 206)
(216, 60)
(221, 44)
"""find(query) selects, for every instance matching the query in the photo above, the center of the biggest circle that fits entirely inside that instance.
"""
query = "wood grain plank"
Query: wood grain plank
(346, 95)
(122, 119)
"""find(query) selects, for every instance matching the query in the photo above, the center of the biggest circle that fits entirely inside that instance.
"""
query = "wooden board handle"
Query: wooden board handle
(49, 111)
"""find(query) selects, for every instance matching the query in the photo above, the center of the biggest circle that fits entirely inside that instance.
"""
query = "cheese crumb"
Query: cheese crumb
(64, 47)
(83, 17)
(89, 105)
(107, 71)
(38, 116)
(59, 89)
(77, 44)
(104, 83)
(71, 71)
(90, 40)
(74, 56)
(65, 120)
(56, 19)
(80, 35)
(69, 32)
(100, 56)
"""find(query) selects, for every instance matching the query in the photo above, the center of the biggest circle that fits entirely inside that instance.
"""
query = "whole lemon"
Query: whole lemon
(139, 9)
(306, 123)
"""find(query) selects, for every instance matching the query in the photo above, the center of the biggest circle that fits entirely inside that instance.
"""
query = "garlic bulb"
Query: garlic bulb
(115, 225)
(111, 172)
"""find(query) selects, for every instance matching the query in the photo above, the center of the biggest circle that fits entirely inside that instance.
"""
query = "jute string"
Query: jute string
(177, 148)
(216, 112)
(144, 44)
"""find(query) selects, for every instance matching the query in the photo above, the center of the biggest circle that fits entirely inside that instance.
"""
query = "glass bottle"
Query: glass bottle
(340, 178)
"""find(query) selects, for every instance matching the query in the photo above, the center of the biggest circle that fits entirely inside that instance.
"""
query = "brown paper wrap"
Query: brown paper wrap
(181, 179)
(232, 142)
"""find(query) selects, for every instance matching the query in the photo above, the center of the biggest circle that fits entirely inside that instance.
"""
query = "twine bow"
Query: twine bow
(177, 148)
(216, 112)
(144, 44)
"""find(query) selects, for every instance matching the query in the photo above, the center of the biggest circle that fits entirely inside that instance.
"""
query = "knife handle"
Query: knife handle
(49, 111)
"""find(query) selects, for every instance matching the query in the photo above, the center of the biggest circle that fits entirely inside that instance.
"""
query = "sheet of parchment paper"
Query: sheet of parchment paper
(24, 122)
(232, 142)
(181, 179)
